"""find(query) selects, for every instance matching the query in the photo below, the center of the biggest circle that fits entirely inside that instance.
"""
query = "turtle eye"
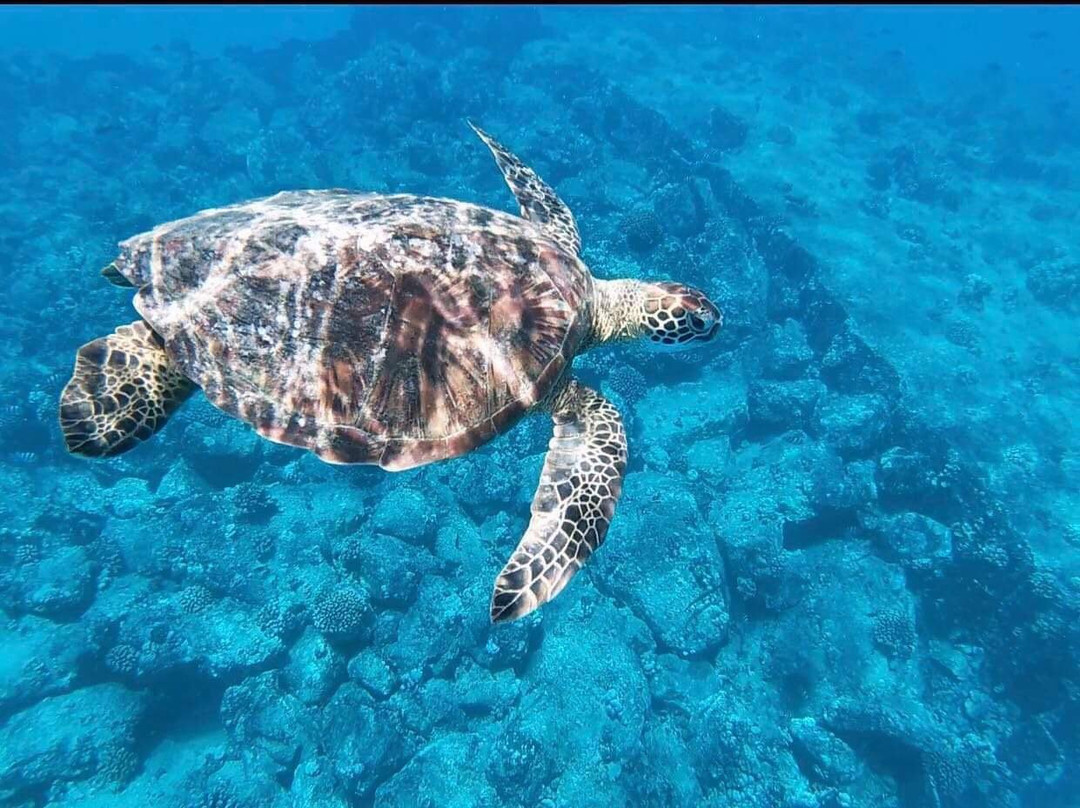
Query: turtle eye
(697, 323)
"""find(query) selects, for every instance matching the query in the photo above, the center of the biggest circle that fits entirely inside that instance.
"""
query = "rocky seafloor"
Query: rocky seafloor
(844, 570)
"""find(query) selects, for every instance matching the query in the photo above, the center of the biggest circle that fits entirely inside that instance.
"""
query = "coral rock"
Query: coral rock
(67, 737)
(676, 585)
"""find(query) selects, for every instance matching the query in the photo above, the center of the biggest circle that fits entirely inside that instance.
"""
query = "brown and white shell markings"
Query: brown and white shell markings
(387, 329)
(369, 329)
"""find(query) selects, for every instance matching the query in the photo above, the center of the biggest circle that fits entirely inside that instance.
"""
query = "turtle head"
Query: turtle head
(676, 316)
(672, 316)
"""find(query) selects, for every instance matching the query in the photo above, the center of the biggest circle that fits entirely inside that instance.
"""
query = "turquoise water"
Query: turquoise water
(845, 567)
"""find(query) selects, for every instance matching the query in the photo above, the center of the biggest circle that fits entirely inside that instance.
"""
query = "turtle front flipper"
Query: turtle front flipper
(573, 506)
(123, 390)
(539, 203)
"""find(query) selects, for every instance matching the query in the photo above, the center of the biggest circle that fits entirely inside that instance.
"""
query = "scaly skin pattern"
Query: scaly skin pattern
(579, 487)
(123, 390)
(395, 330)
(539, 203)
(669, 315)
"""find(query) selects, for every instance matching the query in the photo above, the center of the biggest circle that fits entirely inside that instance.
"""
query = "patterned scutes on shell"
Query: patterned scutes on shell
(395, 330)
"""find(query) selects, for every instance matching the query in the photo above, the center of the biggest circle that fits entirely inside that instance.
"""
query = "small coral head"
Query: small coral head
(678, 316)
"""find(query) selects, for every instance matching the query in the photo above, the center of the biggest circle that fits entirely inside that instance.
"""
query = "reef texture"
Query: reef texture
(844, 569)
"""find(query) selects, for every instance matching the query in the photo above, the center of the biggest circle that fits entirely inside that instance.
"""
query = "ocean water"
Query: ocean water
(845, 568)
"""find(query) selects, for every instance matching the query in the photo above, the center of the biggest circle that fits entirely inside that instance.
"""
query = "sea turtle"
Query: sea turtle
(387, 329)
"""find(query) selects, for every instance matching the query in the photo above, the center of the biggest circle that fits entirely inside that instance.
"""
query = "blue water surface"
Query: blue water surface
(845, 568)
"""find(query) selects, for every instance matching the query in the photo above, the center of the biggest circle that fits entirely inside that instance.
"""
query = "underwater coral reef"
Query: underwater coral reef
(845, 568)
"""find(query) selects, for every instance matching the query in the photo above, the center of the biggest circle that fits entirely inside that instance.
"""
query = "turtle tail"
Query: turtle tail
(123, 391)
(132, 267)
(113, 275)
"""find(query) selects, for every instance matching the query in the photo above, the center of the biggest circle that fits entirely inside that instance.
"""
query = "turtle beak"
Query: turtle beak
(704, 318)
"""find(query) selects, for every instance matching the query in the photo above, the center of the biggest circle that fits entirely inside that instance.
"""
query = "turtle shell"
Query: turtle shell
(396, 330)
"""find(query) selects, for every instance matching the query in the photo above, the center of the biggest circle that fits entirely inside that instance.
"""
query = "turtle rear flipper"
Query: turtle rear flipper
(123, 390)
(572, 509)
